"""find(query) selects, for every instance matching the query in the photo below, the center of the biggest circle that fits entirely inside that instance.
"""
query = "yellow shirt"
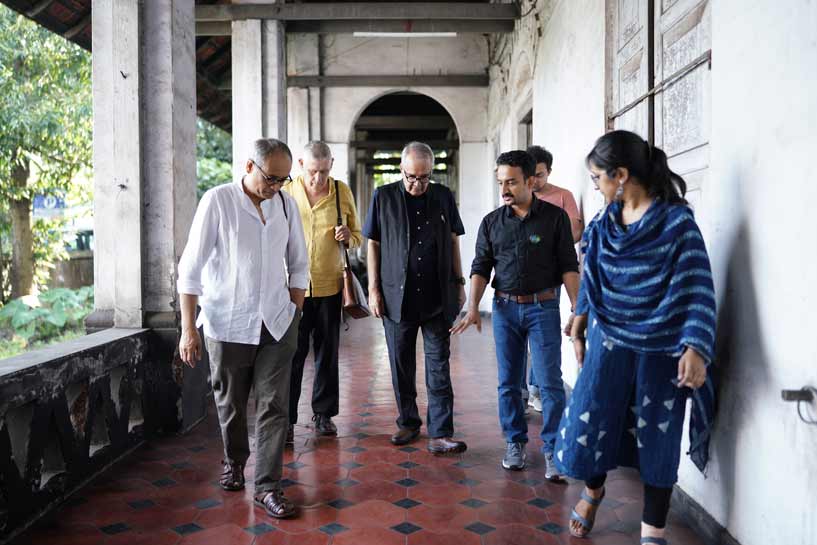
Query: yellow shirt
(319, 221)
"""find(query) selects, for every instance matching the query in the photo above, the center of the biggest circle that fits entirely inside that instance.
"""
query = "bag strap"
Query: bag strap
(283, 205)
(337, 203)
(340, 222)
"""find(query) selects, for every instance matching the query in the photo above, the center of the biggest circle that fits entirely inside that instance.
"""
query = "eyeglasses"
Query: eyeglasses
(422, 179)
(271, 180)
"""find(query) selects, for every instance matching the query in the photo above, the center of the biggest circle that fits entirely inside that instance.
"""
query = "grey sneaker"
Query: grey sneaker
(515, 457)
(551, 473)
(535, 401)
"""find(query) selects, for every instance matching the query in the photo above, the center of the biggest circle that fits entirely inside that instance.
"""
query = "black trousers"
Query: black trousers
(656, 501)
(321, 321)
(401, 338)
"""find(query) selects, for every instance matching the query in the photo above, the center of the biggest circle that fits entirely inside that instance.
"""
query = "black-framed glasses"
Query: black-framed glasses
(422, 179)
(595, 178)
(271, 180)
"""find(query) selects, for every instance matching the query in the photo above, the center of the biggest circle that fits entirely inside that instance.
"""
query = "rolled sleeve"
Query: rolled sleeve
(371, 229)
(297, 258)
(352, 220)
(484, 260)
(200, 243)
(568, 262)
(454, 213)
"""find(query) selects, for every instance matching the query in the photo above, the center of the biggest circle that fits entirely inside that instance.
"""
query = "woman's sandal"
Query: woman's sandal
(586, 523)
(654, 540)
(275, 504)
(232, 478)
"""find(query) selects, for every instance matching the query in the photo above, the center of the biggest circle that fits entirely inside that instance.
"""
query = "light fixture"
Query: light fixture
(405, 34)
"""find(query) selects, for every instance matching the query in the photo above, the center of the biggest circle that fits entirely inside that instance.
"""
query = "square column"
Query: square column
(258, 85)
(144, 93)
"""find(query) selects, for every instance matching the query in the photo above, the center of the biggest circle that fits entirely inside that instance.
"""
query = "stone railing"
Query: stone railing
(69, 411)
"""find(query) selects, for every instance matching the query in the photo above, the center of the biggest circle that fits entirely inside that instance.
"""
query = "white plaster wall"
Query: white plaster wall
(568, 109)
(758, 207)
(350, 55)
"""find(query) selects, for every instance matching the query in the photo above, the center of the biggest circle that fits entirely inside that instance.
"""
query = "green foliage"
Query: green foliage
(210, 173)
(213, 142)
(45, 127)
(53, 313)
(45, 106)
(214, 152)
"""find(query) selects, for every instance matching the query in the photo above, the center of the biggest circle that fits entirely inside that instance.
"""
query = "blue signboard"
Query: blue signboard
(48, 206)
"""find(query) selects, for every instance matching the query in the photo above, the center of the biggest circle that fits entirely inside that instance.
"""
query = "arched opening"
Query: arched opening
(385, 126)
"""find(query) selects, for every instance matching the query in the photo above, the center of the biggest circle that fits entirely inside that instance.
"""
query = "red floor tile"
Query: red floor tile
(356, 488)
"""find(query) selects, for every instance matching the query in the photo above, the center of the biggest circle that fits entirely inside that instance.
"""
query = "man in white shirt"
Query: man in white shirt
(246, 264)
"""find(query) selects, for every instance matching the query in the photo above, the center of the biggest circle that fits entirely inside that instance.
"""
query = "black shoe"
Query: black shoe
(290, 435)
(404, 436)
(445, 445)
(324, 425)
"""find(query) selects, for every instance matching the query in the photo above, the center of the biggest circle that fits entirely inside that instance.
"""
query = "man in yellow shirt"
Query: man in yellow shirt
(318, 195)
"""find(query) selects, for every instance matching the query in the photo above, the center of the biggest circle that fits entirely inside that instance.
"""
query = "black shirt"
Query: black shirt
(529, 254)
(406, 251)
(421, 299)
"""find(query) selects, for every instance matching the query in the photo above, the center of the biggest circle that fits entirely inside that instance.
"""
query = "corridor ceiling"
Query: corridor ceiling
(72, 19)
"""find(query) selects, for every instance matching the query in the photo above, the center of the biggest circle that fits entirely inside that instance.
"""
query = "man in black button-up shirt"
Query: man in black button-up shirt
(416, 283)
(528, 243)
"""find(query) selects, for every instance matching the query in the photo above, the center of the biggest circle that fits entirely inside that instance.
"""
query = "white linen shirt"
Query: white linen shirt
(241, 268)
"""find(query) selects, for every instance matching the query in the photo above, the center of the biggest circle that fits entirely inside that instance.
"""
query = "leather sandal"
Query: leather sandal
(654, 540)
(586, 523)
(275, 504)
(232, 478)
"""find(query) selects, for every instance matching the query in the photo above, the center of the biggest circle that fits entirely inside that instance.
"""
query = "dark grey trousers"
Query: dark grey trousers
(235, 368)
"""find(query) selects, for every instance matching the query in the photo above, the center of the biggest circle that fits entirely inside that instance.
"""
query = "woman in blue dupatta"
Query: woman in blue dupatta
(643, 332)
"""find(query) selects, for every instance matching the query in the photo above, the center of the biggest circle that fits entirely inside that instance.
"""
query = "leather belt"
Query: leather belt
(543, 295)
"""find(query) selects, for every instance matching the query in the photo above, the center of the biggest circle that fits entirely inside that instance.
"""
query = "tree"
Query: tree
(214, 154)
(46, 120)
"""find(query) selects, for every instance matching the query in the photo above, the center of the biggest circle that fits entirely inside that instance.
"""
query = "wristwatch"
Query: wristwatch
(460, 281)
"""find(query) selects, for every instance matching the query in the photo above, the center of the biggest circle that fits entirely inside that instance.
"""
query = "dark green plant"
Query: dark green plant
(48, 315)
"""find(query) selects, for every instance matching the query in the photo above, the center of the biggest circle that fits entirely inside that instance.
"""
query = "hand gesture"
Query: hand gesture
(472, 317)
(190, 346)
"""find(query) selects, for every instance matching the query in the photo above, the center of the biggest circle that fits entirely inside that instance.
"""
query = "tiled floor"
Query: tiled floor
(356, 488)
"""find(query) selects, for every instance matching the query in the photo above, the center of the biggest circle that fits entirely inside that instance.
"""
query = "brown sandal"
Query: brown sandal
(232, 478)
(275, 504)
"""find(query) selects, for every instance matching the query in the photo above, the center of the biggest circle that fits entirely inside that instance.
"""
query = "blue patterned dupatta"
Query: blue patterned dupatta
(650, 288)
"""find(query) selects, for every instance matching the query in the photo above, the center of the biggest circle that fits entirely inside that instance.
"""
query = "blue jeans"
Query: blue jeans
(532, 386)
(514, 325)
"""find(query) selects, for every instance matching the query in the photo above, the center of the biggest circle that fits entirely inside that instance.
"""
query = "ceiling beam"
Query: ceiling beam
(38, 8)
(328, 11)
(79, 27)
(224, 28)
(395, 161)
(454, 80)
(404, 122)
(214, 28)
(398, 144)
(396, 26)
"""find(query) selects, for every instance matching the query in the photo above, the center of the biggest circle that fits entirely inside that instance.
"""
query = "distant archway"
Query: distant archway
(388, 122)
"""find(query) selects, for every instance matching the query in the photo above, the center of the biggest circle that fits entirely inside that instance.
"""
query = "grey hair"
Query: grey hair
(318, 150)
(420, 148)
(264, 147)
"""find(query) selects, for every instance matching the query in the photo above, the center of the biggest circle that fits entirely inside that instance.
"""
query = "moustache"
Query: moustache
(507, 195)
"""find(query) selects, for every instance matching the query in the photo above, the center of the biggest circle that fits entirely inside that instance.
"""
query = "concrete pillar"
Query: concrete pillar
(258, 84)
(144, 91)
(117, 164)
